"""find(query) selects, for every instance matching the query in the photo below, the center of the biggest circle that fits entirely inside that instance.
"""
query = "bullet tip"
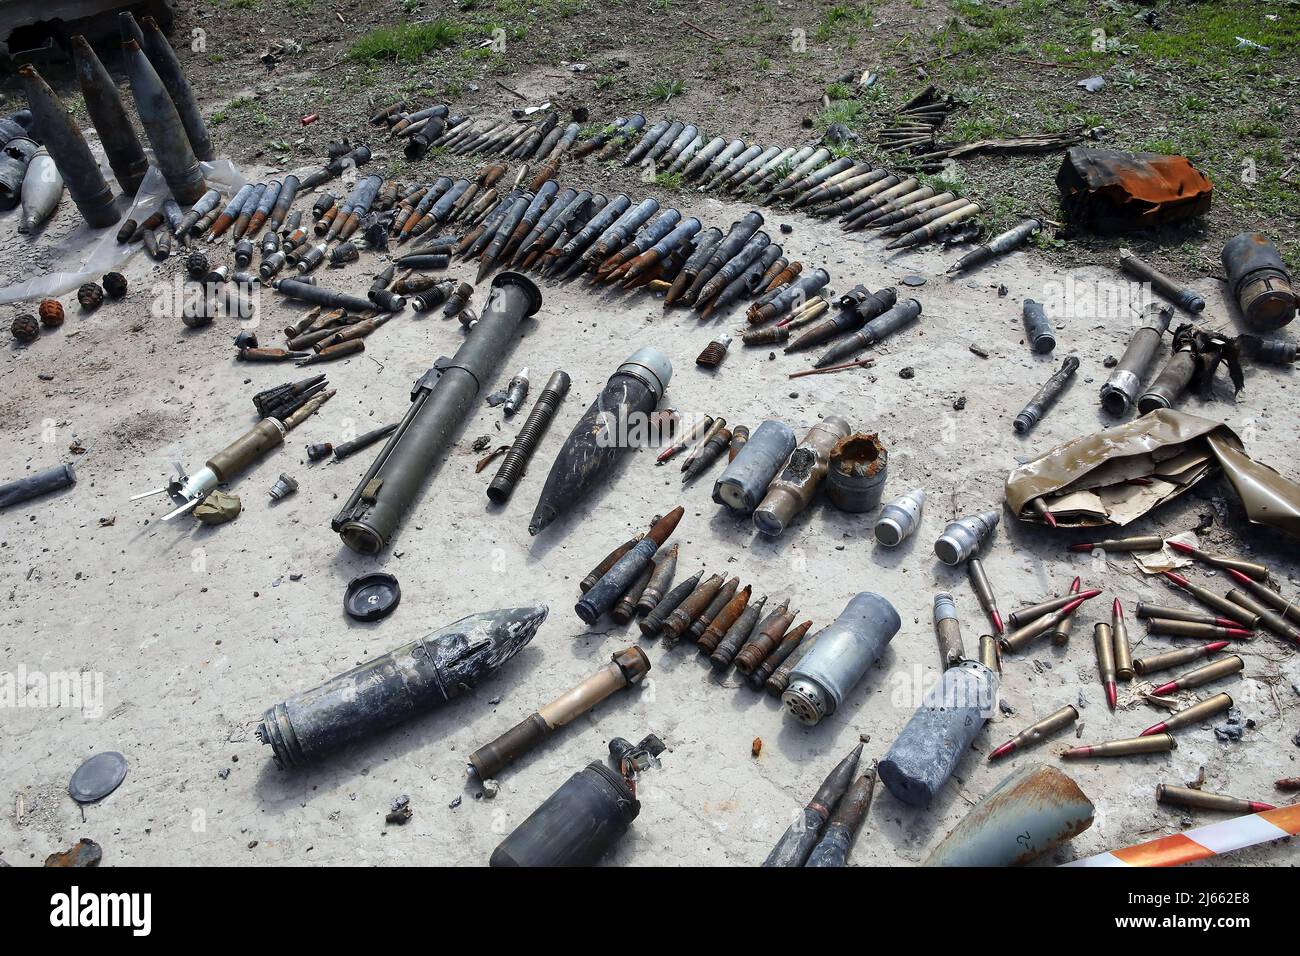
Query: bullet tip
(1164, 689)
(1112, 694)
(1181, 547)
(1001, 751)
(998, 626)
(1153, 729)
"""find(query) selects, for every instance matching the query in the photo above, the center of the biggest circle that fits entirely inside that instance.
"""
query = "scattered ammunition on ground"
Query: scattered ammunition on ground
(104, 106)
(989, 654)
(613, 583)
(42, 191)
(1194, 714)
(661, 578)
(670, 602)
(1200, 800)
(788, 297)
(721, 601)
(516, 393)
(1288, 609)
(743, 484)
(1130, 747)
(1174, 377)
(1288, 783)
(714, 352)
(871, 307)
(1224, 667)
(792, 490)
(1038, 732)
(774, 335)
(1037, 327)
(66, 145)
(731, 628)
(1145, 542)
(1259, 281)
(1121, 389)
(1215, 632)
(1184, 655)
(1103, 642)
(710, 450)
(737, 238)
(722, 650)
(1275, 351)
(1182, 297)
(802, 836)
(332, 352)
(1156, 612)
(873, 332)
(172, 149)
(791, 642)
(979, 582)
(837, 840)
(1267, 616)
(32, 486)
(933, 227)
(1024, 615)
(899, 518)
(395, 686)
(1256, 572)
(765, 640)
(926, 752)
(677, 622)
(841, 656)
(1119, 634)
(997, 246)
(1025, 635)
(363, 441)
(1227, 608)
(627, 667)
(947, 628)
(1046, 396)
(607, 562)
(963, 536)
(701, 428)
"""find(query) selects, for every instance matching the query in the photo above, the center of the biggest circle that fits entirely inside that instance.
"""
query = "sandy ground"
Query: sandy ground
(196, 631)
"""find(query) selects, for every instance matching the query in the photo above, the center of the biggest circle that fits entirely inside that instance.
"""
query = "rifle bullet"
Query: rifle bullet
(1025, 635)
(1174, 628)
(1194, 714)
(984, 591)
(1184, 655)
(1250, 569)
(1227, 608)
(1201, 675)
(1104, 645)
(1022, 616)
(1200, 800)
(1267, 616)
(1146, 542)
(1288, 609)
(1038, 732)
(1132, 746)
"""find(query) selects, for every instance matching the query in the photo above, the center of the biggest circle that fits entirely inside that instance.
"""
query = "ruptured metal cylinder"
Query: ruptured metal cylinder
(1259, 281)
(899, 518)
(1121, 389)
(925, 754)
(743, 483)
(794, 488)
(840, 657)
(855, 479)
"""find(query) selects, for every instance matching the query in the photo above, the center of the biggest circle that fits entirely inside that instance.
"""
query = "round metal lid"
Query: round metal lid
(372, 597)
(99, 776)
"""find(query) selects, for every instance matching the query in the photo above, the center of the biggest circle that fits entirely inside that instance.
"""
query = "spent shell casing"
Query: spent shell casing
(1200, 800)
(989, 655)
(1225, 667)
(1038, 732)
(1197, 712)
(1132, 746)
(1169, 659)
(947, 630)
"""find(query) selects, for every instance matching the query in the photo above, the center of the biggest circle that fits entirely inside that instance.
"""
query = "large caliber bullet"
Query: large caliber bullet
(605, 593)
(1121, 389)
(804, 834)
(1103, 643)
(653, 622)
(1267, 616)
(163, 59)
(725, 596)
(626, 668)
(607, 562)
(1021, 638)
(681, 618)
(792, 490)
(741, 232)
(661, 579)
(1250, 569)
(744, 483)
(879, 328)
(66, 145)
(718, 626)
(947, 629)
(786, 298)
(1046, 396)
(1119, 634)
(1202, 675)
(711, 450)
(1194, 714)
(1129, 747)
(932, 228)
(1144, 542)
(963, 536)
(1184, 655)
(1200, 800)
(1022, 616)
(792, 640)
(393, 688)
(722, 646)
(172, 149)
(635, 388)
(768, 636)
(706, 243)
(998, 245)
(1216, 632)
(697, 432)
(1288, 609)
(525, 443)
(104, 106)
(718, 424)
(1038, 732)
(837, 840)
(872, 306)
(1237, 612)
(979, 581)
(1182, 297)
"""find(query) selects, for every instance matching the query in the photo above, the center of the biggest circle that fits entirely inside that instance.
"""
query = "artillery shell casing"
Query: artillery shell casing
(1169, 659)
(1037, 327)
(1129, 747)
(1120, 390)
(989, 654)
(1194, 714)
(844, 651)
(744, 483)
(1200, 800)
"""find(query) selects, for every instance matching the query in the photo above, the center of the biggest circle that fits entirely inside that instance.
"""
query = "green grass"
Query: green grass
(669, 180)
(406, 43)
(665, 90)
(841, 20)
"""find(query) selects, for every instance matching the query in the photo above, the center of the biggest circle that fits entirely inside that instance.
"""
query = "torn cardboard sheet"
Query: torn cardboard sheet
(1167, 559)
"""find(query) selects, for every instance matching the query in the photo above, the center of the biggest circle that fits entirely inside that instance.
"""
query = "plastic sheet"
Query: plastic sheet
(89, 253)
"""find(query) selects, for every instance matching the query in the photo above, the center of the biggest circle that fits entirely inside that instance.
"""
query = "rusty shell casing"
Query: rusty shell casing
(1123, 652)
(1038, 731)
(1193, 714)
(947, 630)
(754, 651)
(803, 835)
(789, 643)
(1022, 616)
(780, 679)
(1200, 800)
(626, 668)
(1170, 382)
(774, 335)
(653, 622)
(172, 149)
(717, 442)
(723, 644)
(872, 305)
(1128, 747)
(692, 607)
(1250, 569)
(1169, 659)
(739, 435)
(720, 600)
(983, 588)
(1182, 297)
(850, 812)
(1200, 676)
(104, 106)
(1259, 281)
(739, 637)
(793, 488)
(1267, 616)
(661, 579)
(1120, 391)
(1211, 632)
(598, 572)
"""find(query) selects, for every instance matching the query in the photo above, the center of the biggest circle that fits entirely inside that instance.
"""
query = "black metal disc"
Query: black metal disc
(99, 776)
(372, 596)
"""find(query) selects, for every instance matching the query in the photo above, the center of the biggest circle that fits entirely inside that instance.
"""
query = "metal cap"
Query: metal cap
(651, 365)
(372, 597)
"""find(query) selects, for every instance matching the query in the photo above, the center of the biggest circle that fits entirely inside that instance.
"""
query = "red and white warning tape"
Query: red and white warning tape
(1222, 837)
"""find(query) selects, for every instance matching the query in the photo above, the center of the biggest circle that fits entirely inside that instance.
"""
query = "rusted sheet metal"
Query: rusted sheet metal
(1030, 812)
(1111, 191)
